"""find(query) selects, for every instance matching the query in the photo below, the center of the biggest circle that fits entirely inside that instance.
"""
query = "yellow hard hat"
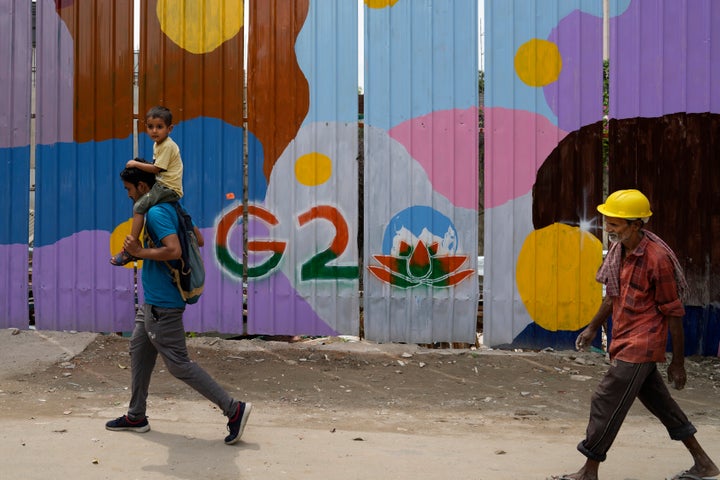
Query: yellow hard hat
(626, 204)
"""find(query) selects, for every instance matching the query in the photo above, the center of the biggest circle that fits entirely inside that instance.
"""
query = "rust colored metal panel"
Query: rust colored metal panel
(15, 82)
(191, 61)
(278, 93)
(303, 186)
(99, 31)
(543, 170)
(421, 172)
(84, 128)
(673, 160)
(569, 182)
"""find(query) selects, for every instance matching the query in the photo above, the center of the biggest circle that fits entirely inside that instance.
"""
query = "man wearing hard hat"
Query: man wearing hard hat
(645, 287)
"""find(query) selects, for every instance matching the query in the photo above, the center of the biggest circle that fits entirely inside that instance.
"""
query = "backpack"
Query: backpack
(188, 274)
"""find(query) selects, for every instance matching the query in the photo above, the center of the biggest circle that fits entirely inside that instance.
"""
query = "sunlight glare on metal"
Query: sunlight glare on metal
(586, 225)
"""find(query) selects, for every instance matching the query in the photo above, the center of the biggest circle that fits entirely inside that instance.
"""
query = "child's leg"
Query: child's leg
(138, 221)
(123, 258)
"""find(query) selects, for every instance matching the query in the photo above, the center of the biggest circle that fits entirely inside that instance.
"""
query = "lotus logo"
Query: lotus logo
(420, 265)
(419, 247)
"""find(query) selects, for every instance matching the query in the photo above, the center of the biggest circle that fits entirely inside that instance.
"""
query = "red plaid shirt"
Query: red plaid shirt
(648, 293)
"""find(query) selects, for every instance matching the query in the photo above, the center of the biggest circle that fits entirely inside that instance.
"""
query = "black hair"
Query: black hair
(163, 113)
(134, 175)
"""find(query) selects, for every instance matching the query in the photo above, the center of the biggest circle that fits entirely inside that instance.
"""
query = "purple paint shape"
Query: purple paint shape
(275, 308)
(76, 287)
(665, 59)
(576, 97)
(14, 286)
(15, 60)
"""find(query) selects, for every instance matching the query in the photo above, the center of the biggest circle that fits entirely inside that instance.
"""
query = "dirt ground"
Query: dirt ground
(326, 408)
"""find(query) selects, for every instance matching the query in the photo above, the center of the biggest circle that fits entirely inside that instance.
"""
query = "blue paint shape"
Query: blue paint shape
(14, 188)
(416, 219)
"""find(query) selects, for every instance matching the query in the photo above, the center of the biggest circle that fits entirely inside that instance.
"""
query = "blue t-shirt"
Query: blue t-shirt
(161, 220)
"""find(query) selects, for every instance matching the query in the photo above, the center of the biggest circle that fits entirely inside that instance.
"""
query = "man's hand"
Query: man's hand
(676, 375)
(585, 338)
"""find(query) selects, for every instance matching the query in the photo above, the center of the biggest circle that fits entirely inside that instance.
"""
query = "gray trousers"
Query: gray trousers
(613, 398)
(161, 331)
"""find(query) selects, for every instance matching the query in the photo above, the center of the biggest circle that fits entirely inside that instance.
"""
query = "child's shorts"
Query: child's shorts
(159, 193)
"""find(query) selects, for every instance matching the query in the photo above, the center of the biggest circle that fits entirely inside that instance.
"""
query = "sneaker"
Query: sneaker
(237, 423)
(124, 423)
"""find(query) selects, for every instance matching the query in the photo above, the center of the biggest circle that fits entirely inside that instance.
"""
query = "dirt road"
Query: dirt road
(326, 408)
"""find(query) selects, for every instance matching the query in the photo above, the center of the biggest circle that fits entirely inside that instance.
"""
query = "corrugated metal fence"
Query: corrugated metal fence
(545, 165)
(271, 169)
(300, 234)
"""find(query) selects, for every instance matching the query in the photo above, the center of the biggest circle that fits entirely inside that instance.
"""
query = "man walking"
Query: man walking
(159, 325)
(644, 290)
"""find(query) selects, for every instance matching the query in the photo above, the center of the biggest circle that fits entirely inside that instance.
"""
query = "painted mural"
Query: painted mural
(421, 200)
(543, 170)
(283, 252)
(302, 260)
(302, 237)
(544, 166)
(15, 55)
(664, 130)
(191, 60)
(84, 136)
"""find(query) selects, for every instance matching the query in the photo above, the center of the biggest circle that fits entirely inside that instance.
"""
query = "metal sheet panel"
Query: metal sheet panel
(191, 61)
(303, 188)
(665, 136)
(84, 137)
(421, 185)
(15, 82)
(543, 170)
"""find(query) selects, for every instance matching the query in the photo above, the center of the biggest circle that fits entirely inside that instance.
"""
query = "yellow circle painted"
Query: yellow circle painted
(117, 238)
(380, 3)
(538, 62)
(555, 277)
(200, 26)
(313, 169)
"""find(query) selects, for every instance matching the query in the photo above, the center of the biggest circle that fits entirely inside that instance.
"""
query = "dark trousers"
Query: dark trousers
(161, 331)
(613, 398)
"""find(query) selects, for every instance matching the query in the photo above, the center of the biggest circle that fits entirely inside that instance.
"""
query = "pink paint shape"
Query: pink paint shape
(444, 143)
(516, 145)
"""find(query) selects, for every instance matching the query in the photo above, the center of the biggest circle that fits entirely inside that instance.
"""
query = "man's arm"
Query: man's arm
(586, 336)
(169, 249)
(676, 369)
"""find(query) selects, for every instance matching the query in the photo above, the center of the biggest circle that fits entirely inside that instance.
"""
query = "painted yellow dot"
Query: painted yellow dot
(538, 62)
(380, 3)
(555, 277)
(117, 238)
(200, 26)
(313, 169)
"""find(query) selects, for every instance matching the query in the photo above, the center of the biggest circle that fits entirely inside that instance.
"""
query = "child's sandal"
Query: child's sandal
(122, 258)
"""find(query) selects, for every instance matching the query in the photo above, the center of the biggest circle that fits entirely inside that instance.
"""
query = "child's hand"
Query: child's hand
(131, 245)
(130, 164)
